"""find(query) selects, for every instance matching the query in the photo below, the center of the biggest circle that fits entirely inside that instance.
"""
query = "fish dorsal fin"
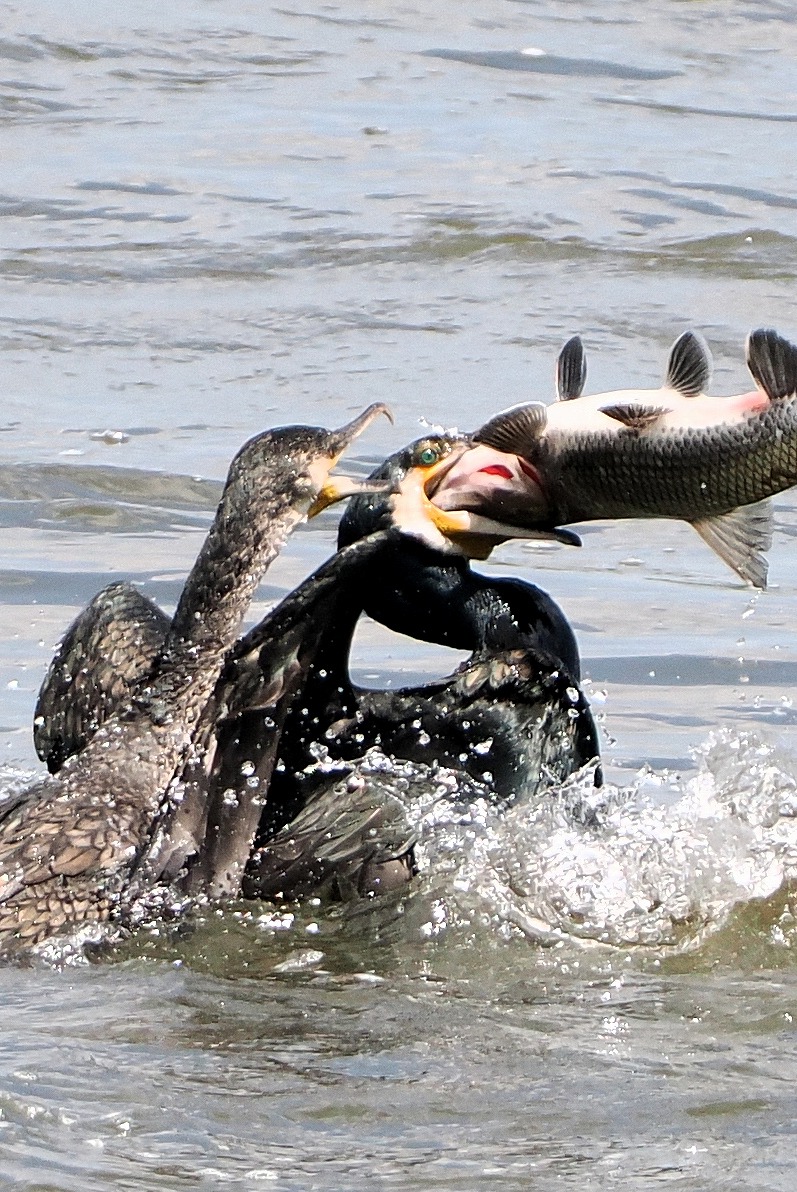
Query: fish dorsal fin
(635, 417)
(741, 539)
(773, 362)
(571, 370)
(515, 430)
(689, 366)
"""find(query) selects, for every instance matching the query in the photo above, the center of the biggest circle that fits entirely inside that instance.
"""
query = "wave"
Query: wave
(85, 498)
(751, 251)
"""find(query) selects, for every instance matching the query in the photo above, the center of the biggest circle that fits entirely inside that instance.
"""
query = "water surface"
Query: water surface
(219, 217)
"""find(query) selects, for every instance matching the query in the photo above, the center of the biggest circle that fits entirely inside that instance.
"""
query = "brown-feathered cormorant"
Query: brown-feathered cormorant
(71, 847)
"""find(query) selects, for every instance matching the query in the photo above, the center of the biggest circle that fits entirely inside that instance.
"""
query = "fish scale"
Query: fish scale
(672, 452)
(687, 474)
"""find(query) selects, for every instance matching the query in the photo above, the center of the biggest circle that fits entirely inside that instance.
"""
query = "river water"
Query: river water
(218, 217)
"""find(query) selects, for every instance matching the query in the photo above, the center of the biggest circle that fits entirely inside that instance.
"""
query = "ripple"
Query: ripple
(539, 62)
(67, 51)
(118, 500)
(30, 482)
(754, 194)
(20, 51)
(701, 206)
(134, 188)
(73, 209)
(678, 109)
(174, 78)
(31, 105)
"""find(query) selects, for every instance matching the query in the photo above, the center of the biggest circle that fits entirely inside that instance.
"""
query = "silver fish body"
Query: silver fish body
(667, 453)
(676, 472)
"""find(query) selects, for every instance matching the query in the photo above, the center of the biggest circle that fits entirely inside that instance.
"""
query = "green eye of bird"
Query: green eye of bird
(429, 456)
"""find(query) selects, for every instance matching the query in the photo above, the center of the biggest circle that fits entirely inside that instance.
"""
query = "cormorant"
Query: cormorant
(513, 718)
(71, 847)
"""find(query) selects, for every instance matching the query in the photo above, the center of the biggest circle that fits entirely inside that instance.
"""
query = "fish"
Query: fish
(673, 452)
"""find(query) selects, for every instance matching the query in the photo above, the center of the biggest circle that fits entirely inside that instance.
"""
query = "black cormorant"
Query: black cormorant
(512, 718)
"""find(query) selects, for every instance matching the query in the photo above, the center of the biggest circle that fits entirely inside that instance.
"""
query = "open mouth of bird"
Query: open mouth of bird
(472, 499)
(331, 489)
(478, 497)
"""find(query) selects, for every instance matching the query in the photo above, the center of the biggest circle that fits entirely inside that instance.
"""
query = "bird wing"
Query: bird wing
(105, 651)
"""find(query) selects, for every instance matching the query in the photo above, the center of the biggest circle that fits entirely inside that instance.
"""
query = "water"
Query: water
(217, 217)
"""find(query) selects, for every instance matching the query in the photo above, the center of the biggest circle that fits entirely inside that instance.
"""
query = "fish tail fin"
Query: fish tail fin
(772, 360)
(741, 538)
(689, 366)
(571, 370)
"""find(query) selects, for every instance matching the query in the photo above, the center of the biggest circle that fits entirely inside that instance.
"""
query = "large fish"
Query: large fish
(672, 452)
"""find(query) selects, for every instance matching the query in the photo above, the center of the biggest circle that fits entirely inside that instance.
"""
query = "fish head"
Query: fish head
(494, 483)
(456, 496)
(475, 498)
(500, 476)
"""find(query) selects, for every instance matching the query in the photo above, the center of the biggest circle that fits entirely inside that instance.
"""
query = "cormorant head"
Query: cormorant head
(456, 496)
(337, 488)
(294, 463)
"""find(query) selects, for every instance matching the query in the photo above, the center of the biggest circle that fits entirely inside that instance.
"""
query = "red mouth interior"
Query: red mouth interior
(495, 485)
(497, 470)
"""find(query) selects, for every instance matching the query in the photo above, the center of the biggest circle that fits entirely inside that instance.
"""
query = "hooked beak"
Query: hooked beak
(337, 488)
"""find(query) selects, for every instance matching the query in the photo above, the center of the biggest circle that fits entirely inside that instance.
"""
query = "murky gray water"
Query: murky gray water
(218, 217)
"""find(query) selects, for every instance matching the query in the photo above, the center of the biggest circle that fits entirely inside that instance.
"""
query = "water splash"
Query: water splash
(658, 864)
(617, 867)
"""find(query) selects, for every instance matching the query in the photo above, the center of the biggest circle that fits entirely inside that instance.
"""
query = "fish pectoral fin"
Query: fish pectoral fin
(772, 360)
(515, 430)
(571, 370)
(741, 538)
(635, 417)
(689, 366)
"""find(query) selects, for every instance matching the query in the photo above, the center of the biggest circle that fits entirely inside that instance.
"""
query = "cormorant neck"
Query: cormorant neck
(240, 545)
(416, 590)
(425, 594)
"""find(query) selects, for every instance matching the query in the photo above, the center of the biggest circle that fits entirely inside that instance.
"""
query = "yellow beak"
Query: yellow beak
(337, 488)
